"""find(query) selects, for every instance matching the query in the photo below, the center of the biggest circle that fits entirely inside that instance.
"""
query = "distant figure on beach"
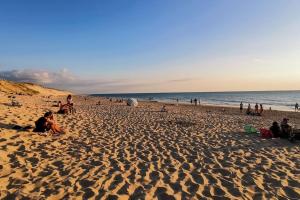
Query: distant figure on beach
(191, 101)
(261, 109)
(69, 99)
(47, 123)
(248, 111)
(241, 107)
(296, 107)
(270, 109)
(70, 104)
(195, 101)
(256, 108)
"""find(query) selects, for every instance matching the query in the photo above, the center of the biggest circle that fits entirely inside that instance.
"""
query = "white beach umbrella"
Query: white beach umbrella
(132, 102)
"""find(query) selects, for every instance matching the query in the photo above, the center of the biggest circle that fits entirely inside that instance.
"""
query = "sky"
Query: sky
(112, 46)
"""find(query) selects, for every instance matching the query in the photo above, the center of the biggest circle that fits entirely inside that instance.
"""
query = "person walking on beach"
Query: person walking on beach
(241, 107)
(296, 107)
(256, 108)
(195, 101)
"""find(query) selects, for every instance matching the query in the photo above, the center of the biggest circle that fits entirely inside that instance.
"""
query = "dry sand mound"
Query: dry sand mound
(10, 87)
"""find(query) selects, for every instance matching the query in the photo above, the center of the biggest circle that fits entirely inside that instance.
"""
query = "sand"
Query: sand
(112, 151)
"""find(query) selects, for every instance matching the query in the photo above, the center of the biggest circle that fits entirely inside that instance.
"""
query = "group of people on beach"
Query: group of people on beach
(258, 109)
(284, 130)
(68, 107)
(47, 123)
(195, 101)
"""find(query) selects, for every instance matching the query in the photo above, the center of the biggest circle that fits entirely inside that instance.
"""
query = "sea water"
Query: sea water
(277, 100)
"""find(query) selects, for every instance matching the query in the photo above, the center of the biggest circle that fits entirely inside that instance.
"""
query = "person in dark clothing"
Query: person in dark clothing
(41, 123)
(286, 129)
(261, 110)
(256, 109)
(249, 110)
(241, 107)
(275, 129)
(47, 123)
(195, 101)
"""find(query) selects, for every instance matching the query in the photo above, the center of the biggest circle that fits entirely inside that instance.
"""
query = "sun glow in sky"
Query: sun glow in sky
(152, 46)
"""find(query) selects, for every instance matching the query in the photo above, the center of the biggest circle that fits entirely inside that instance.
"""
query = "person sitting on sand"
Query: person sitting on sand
(256, 109)
(248, 111)
(164, 109)
(41, 124)
(275, 129)
(70, 104)
(69, 99)
(47, 123)
(286, 129)
(261, 109)
(63, 109)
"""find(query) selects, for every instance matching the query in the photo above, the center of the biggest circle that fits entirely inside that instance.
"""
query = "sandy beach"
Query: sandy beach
(112, 151)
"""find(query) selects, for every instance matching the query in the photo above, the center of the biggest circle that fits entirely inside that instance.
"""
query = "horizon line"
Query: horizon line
(245, 91)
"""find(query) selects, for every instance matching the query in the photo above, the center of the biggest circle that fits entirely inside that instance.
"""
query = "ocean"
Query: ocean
(277, 100)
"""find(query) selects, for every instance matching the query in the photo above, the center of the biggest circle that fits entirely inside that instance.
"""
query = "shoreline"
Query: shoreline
(213, 105)
(267, 106)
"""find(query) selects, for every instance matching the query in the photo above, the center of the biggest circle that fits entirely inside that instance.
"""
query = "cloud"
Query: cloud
(66, 80)
(37, 76)
(182, 80)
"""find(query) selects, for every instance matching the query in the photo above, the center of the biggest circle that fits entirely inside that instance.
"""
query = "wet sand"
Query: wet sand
(112, 151)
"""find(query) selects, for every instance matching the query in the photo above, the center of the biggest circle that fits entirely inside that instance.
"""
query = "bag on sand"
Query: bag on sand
(265, 133)
(250, 129)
